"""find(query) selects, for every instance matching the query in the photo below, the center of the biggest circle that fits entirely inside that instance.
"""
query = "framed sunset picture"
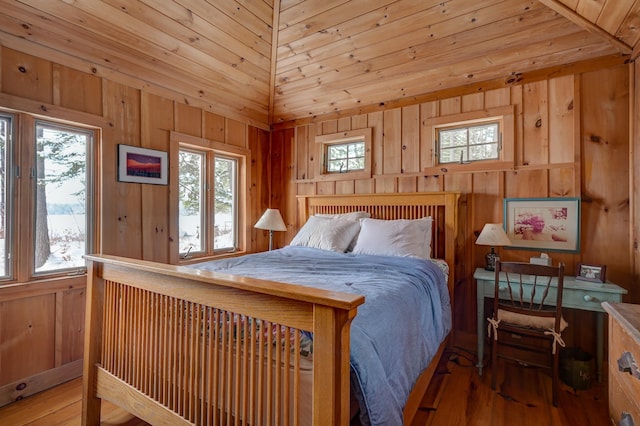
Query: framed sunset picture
(142, 165)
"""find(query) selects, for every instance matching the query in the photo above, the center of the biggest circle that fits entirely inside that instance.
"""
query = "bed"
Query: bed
(181, 345)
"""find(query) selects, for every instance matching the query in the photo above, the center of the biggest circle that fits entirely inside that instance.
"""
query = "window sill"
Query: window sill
(493, 166)
(344, 176)
(472, 167)
(45, 285)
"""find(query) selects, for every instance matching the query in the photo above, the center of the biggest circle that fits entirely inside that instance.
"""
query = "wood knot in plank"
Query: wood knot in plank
(514, 78)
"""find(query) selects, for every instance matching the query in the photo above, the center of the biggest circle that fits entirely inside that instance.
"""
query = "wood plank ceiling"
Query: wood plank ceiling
(327, 56)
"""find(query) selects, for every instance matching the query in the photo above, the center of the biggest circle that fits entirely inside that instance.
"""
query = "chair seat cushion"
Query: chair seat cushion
(530, 321)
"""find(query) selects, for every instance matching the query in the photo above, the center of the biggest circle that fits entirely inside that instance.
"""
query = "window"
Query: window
(225, 203)
(46, 197)
(345, 155)
(209, 199)
(62, 190)
(191, 200)
(471, 142)
(6, 133)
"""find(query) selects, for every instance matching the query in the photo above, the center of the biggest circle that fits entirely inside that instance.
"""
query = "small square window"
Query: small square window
(347, 157)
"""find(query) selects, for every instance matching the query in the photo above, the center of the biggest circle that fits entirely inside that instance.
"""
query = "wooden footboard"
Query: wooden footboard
(178, 346)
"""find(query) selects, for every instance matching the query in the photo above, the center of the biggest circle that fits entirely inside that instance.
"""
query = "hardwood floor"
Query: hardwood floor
(458, 397)
(59, 406)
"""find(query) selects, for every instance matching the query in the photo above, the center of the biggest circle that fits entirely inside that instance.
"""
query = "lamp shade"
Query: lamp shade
(493, 235)
(271, 220)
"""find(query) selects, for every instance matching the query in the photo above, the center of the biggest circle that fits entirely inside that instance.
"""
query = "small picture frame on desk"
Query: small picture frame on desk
(593, 273)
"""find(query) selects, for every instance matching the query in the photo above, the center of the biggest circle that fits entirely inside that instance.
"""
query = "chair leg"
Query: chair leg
(494, 360)
(554, 377)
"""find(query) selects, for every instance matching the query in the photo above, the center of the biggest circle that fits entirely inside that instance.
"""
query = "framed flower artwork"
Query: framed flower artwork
(543, 224)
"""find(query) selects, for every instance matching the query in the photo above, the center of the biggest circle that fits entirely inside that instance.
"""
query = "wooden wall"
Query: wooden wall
(41, 323)
(571, 140)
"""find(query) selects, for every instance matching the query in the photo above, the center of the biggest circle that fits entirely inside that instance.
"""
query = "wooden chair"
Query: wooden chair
(529, 308)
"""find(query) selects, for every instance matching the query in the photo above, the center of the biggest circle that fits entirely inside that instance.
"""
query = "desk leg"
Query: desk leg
(600, 344)
(480, 330)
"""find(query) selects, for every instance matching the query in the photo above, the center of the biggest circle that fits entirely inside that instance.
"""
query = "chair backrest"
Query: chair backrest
(529, 289)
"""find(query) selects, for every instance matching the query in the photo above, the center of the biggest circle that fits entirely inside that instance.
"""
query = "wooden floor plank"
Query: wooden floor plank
(458, 396)
(61, 406)
(42, 404)
(67, 416)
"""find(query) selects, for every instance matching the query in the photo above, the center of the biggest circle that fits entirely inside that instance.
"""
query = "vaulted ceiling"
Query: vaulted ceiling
(326, 56)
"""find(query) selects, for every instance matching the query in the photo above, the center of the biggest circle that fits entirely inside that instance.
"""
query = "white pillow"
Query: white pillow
(326, 234)
(355, 216)
(401, 237)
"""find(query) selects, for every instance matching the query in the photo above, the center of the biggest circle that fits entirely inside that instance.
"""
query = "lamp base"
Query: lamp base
(491, 260)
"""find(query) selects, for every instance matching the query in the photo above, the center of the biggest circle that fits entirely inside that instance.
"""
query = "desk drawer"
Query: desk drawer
(589, 300)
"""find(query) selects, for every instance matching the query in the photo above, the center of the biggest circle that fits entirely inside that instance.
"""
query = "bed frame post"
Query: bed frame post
(331, 369)
(91, 404)
(451, 224)
(303, 211)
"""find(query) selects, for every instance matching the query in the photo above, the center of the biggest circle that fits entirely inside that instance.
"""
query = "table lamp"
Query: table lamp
(492, 235)
(271, 220)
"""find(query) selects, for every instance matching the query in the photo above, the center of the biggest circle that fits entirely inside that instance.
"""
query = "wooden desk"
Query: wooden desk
(576, 294)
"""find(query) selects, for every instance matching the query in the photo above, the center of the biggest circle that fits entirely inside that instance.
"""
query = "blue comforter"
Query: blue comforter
(396, 332)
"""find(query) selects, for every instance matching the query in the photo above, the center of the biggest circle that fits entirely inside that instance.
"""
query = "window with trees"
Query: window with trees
(46, 197)
(208, 200)
(472, 140)
(63, 189)
(345, 155)
(469, 142)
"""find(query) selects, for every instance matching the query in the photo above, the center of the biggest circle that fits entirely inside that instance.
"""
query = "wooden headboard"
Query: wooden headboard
(442, 206)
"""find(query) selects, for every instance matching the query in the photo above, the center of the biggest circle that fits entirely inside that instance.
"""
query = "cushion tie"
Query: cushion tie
(493, 324)
(557, 338)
